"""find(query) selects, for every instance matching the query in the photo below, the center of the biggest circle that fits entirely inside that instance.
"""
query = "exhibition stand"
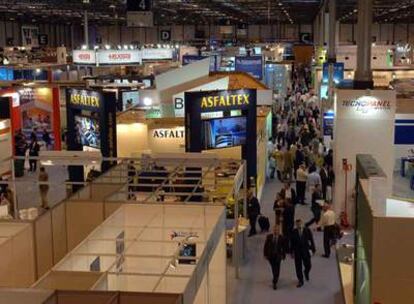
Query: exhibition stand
(225, 119)
(177, 250)
(91, 125)
(383, 223)
(82, 211)
(364, 123)
(36, 108)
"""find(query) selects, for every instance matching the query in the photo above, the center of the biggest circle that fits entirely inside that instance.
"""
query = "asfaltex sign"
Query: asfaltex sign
(84, 57)
(119, 57)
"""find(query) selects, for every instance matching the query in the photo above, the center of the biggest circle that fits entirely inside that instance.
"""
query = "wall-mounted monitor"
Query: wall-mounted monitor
(188, 254)
(130, 99)
(224, 132)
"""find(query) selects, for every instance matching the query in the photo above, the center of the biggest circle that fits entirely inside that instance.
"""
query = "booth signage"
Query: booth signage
(252, 65)
(365, 104)
(169, 133)
(119, 57)
(84, 99)
(84, 57)
(157, 54)
(225, 101)
(43, 40)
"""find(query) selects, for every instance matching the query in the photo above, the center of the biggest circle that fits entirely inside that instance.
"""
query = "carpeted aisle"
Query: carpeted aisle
(255, 285)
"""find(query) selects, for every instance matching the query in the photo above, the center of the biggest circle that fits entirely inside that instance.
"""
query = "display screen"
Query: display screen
(87, 130)
(187, 251)
(224, 132)
(227, 64)
(130, 99)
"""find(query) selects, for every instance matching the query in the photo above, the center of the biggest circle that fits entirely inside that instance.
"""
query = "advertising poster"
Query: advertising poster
(338, 72)
(252, 65)
(36, 108)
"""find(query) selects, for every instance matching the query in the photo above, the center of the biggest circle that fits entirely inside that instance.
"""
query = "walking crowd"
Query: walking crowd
(299, 159)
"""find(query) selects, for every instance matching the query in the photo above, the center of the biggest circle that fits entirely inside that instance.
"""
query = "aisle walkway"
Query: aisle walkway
(255, 285)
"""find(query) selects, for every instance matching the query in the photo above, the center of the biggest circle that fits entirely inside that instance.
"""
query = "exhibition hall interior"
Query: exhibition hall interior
(206, 152)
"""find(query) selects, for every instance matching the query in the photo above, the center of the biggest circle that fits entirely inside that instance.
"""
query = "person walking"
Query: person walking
(46, 139)
(313, 179)
(288, 192)
(302, 245)
(287, 164)
(34, 149)
(328, 221)
(253, 211)
(288, 223)
(315, 207)
(274, 252)
(278, 156)
(323, 173)
(301, 178)
(43, 188)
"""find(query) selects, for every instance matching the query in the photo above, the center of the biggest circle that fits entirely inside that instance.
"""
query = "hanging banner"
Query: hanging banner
(84, 57)
(252, 65)
(338, 72)
(30, 36)
(157, 54)
(119, 57)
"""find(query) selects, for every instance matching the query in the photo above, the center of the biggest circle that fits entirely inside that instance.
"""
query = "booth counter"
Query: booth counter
(150, 249)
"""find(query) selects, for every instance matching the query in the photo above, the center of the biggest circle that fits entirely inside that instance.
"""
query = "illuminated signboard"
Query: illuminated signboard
(119, 57)
(84, 57)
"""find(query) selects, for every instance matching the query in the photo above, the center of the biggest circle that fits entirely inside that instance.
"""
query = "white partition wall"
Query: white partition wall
(364, 123)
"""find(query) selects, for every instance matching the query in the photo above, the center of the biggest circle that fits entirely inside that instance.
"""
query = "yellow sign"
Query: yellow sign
(85, 100)
(225, 101)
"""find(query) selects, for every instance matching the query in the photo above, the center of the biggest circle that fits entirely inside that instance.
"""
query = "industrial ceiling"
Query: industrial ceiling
(199, 11)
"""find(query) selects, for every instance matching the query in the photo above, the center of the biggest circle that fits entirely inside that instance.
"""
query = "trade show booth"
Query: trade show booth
(91, 125)
(157, 249)
(225, 120)
(364, 123)
(383, 223)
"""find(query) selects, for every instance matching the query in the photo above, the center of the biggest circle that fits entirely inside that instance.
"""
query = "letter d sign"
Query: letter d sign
(165, 35)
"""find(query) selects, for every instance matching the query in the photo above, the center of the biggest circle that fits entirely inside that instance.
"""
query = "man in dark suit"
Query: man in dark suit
(274, 252)
(288, 192)
(288, 223)
(253, 211)
(302, 244)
